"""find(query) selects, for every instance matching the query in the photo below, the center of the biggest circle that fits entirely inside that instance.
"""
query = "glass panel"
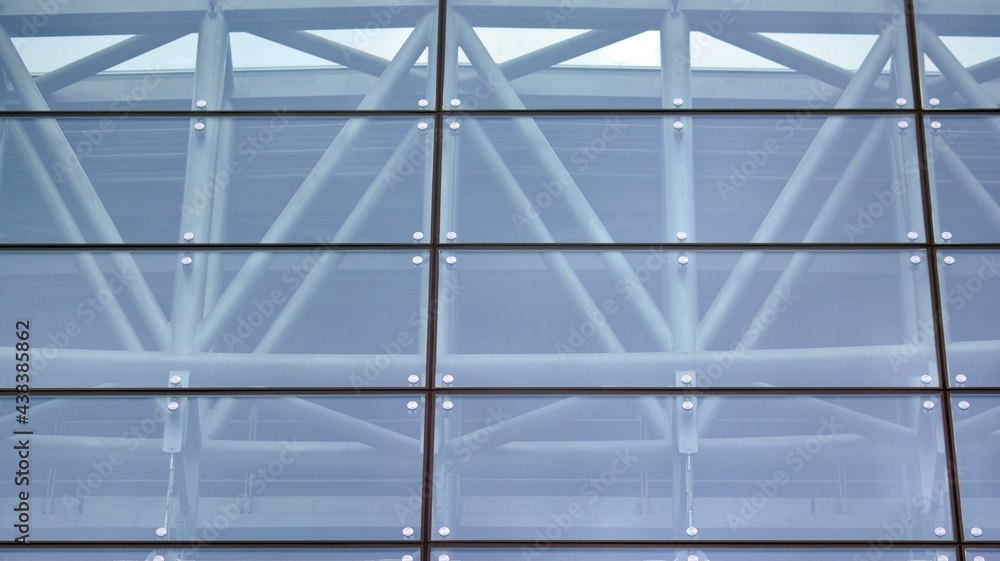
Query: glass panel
(312, 319)
(714, 178)
(960, 42)
(666, 318)
(213, 554)
(316, 55)
(971, 297)
(544, 551)
(279, 179)
(966, 178)
(556, 468)
(731, 54)
(977, 422)
(982, 554)
(233, 467)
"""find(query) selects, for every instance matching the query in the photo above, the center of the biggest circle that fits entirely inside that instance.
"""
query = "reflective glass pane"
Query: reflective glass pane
(212, 554)
(698, 318)
(716, 54)
(966, 177)
(704, 178)
(690, 468)
(279, 179)
(960, 42)
(325, 54)
(970, 292)
(543, 550)
(977, 422)
(982, 554)
(227, 319)
(204, 469)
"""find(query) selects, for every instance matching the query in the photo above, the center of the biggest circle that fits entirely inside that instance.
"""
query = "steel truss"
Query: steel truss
(203, 305)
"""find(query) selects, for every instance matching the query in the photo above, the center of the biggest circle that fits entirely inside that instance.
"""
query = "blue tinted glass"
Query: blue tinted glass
(704, 178)
(965, 178)
(733, 53)
(212, 554)
(229, 319)
(970, 291)
(242, 55)
(220, 468)
(697, 318)
(280, 179)
(543, 550)
(690, 468)
(982, 554)
(959, 42)
(977, 420)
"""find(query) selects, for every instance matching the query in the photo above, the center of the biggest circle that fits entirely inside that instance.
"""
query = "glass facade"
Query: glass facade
(470, 280)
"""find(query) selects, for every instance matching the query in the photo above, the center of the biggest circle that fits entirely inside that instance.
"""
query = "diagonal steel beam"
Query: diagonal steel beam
(78, 182)
(985, 71)
(732, 291)
(790, 57)
(984, 200)
(101, 60)
(315, 183)
(643, 304)
(953, 70)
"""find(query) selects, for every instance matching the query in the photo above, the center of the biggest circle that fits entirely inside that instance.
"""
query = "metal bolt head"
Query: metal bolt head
(678, 125)
(417, 260)
(161, 531)
(692, 531)
(187, 260)
(444, 530)
(201, 104)
(903, 125)
(682, 236)
(413, 379)
(900, 101)
(686, 379)
(979, 558)
(915, 259)
(934, 102)
(412, 406)
(447, 378)
(423, 103)
(418, 236)
(451, 236)
(912, 235)
(451, 260)
(159, 558)
(936, 125)
(949, 260)
(422, 126)
(444, 558)
(939, 531)
(928, 405)
(692, 557)
(942, 558)
(678, 101)
(961, 378)
(173, 406)
(188, 236)
(683, 260)
(946, 236)
(448, 405)
(976, 532)
(456, 102)
(199, 126)
(407, 531)
(687, 405)
(406, 558)
(963, 405)
(175, 379)
(454, 125)
(926, 378)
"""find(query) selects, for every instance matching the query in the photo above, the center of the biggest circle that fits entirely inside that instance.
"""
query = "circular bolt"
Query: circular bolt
(187, 260)
(159, 558)
(946, 236)
(688, 405)
(188, 236)
(686, 379)
(422, 126)
(161, 531)
(903, 125)
(682, 236)
(444, 558)
(939, 531)
(423, 103)
(444, 531)
(451, 260)
(683, 259)
(406, 558)
(456, 102)
(915, 259)
(173, 406)
(976, 532)
(900, 101)
(692, 531)
(451, 236)
(201, 104)
(936, 125)
(979, 558)
(455, 125)
(447, 378)
(949, 260)
(934, 102)
(175, 379)
(942, 558)
(412, 406)
(926, 378)
(963, 405)
(407, 531)
(678, 125)
(413, 379)
(928, 405)
(912, 235)
(960, 378)
(692, 557)
(417, 260)
(678, 101)
(448, 405)
(418, 236)
(199, 126)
